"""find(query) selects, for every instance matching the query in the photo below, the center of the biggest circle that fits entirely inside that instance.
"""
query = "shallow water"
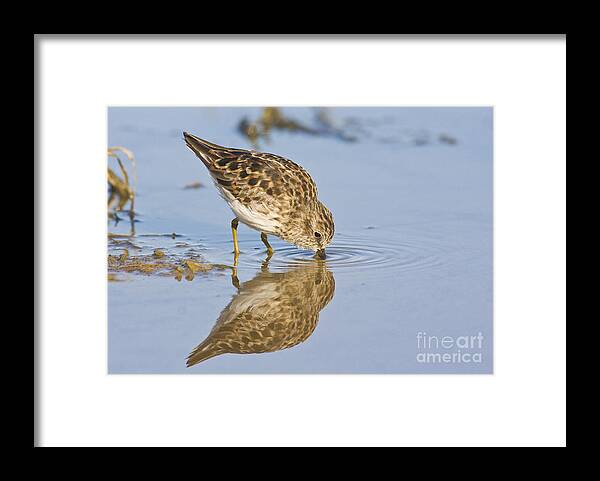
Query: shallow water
(411, 261)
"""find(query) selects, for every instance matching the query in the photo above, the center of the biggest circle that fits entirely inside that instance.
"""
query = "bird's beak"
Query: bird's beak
(320, 254)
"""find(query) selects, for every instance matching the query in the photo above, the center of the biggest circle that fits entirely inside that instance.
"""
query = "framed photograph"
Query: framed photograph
(367, 231)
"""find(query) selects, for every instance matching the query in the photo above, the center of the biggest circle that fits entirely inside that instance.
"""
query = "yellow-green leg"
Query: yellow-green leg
(263, 237)
(236, 249)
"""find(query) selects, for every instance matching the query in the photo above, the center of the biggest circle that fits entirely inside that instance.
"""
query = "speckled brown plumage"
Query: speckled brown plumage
(267, 192)
(271, 312)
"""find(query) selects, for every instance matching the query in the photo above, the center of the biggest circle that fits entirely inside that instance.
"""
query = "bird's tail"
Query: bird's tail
(206, 151)
(204, 351)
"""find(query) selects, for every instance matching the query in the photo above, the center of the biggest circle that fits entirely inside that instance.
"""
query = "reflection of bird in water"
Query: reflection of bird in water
(273, 311)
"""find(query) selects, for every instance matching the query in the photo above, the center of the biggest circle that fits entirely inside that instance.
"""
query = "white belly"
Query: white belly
(255, 216)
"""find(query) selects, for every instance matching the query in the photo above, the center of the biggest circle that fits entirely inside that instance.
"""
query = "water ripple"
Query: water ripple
(358, 253)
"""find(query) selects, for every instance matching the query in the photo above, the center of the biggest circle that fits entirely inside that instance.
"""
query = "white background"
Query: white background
(522, 404)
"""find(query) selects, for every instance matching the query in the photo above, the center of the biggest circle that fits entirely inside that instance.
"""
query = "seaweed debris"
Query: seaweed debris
(272, 119)
(160, 264)
(350, 129)
(121, 189)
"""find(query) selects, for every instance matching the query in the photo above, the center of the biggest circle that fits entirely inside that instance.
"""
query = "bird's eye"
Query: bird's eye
(318, 235)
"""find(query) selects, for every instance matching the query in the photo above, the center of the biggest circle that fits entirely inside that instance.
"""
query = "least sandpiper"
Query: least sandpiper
(268, 193)
(273, 311)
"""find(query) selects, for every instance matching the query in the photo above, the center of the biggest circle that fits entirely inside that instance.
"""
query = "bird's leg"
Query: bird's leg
(264, 267)
(236, 249)
(234, 278)
(263, 237)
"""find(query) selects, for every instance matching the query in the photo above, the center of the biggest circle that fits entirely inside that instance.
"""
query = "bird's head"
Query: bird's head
(312, 229)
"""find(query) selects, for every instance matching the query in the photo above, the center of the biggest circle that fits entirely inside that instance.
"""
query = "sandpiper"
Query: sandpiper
(268, 193)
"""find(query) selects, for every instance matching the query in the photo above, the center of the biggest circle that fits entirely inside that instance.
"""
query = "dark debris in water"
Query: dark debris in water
(172, 235)
(447, 139)
(124, 243)
(193, 185)
(122, 186)
(350, 129)
(272, 119)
